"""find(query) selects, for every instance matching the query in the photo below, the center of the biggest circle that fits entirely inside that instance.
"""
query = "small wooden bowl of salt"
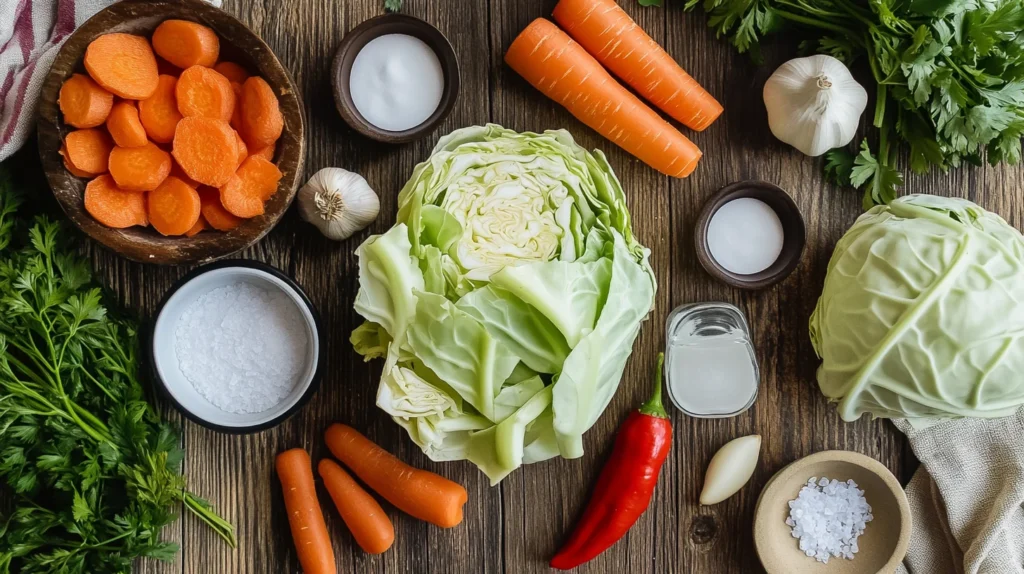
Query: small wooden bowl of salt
(792, 500)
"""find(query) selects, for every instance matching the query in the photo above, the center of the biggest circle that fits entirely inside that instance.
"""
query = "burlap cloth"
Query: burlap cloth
(966, 497)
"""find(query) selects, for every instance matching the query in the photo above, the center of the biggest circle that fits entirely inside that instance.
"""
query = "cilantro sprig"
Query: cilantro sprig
(949, 76)
(94, 472)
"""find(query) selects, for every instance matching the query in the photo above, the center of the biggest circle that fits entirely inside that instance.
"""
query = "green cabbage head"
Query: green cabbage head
(505, 300)
(922, 314)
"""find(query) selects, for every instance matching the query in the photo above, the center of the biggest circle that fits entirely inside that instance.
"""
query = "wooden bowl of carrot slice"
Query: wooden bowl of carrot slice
(170, 132)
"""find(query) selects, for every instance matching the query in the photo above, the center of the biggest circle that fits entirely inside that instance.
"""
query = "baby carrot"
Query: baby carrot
(416, 492)
(123, 64)
(113, 206)
(124, 125)
(362, 514)
(205, 93)
(173, 208)
(610, 35)
(159, 113)
(83, 102)
(309, 532)
(139, 168)
(186, 44)
(566, 73)
(88, 149)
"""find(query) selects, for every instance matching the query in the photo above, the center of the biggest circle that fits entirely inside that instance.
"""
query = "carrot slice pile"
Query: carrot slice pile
(173, 207)
(233, 72)
(250, 187)
(206, 150)
(202, 92)
(261, 119)
(214, 213)
(547, 58)
(610, 35)
(83, 102)
(113, 206)
(186, 44)
(159, 113)
(123, 64)
(139, 168)
(124, 125)
(88, 149)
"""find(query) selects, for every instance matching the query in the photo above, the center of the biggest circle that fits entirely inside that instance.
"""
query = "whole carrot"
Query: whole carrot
(611, 36)
(547, 58)
(365, 518)
(309, 532)
(416, 492)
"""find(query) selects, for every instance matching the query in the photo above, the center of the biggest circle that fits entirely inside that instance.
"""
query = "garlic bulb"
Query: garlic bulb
(814, 104)
(730, 469)
(338, 202)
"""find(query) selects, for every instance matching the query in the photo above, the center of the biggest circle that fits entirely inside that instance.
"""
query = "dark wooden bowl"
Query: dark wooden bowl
(374, 28)
(792, 228)
(238, 44)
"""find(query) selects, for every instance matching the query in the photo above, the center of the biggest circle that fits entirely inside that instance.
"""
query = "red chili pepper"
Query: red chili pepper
(626, 484)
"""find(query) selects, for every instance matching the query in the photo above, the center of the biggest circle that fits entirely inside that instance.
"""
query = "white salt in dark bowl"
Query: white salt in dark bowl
(163, 348)
(884, 542)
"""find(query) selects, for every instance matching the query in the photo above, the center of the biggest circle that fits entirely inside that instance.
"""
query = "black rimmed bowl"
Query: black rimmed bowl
(794, 234)
(374, 28)
(162, 352)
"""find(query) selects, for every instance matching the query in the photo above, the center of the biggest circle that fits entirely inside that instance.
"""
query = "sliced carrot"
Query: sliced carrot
(614, 39)
(123, 64)
(159, 113)
(179, 173)
(206, 150)
(198, 227)
(139, 168)
(83, 102)
(186, 44)
(204, 93)
(363, 515)
(232, 71)
(249, 188)
(124, 125)
(266, 153)
(71, 167)
(89, 149)
(561, 69)
(261, 120)
(236, 116)
(243, 151)
(173, 207)
(214, 213)
(166, 68)
(416, 492)
(309, 531)
(113, 206)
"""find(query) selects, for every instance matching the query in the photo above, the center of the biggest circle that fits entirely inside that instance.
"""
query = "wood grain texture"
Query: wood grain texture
(515, 527)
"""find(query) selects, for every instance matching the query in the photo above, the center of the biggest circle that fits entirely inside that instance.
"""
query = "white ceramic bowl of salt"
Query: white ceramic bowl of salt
(236, 346)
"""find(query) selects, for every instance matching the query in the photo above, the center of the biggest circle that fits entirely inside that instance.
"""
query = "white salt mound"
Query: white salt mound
(827, 517)
(242, 347)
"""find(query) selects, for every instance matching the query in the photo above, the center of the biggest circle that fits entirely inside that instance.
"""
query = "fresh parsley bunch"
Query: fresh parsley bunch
(93, 472)
(949, 76)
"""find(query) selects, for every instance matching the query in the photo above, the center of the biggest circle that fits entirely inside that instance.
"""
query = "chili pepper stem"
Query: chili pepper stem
(654, 407)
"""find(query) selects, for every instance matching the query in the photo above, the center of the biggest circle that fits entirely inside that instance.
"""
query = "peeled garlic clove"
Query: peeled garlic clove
(730, 469)
(338, 202)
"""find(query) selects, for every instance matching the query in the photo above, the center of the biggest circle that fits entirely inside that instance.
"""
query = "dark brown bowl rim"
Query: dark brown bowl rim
(373, 28)
(146, 245)
(792, 224)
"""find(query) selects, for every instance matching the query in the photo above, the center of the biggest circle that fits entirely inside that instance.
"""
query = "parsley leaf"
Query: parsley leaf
(878, 179)
(392, 5)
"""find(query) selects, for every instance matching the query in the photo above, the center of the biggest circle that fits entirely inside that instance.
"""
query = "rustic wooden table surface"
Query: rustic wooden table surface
(515, 527)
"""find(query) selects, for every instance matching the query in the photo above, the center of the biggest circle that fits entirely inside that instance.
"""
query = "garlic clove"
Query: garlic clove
(730, 469)
(338, 202)
(814, 104)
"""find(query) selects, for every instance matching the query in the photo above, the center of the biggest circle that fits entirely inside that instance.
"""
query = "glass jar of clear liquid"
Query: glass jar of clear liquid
(710, 367)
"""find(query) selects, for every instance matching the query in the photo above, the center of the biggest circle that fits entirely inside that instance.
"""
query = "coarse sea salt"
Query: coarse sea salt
(242, 347)
(828, 516)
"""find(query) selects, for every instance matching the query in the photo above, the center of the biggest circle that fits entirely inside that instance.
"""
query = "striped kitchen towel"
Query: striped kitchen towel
(31, 33)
